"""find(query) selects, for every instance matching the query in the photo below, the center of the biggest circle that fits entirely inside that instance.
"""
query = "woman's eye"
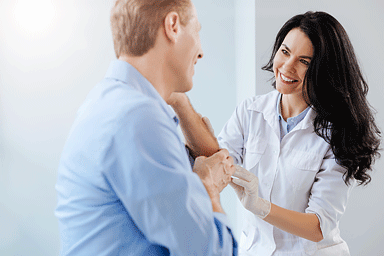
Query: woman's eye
(305, 62)
(284, 52)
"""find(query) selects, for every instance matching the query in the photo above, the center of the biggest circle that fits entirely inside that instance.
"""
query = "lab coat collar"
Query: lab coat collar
(307, 122)
(266, 104)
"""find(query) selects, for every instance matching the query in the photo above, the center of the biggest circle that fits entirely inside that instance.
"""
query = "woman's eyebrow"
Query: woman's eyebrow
(286, 46)
(303, 56)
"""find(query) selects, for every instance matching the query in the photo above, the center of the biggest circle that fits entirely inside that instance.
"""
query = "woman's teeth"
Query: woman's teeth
(287, 79)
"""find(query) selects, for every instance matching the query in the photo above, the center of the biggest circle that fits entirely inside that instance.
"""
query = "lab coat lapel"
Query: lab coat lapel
(307, 122)
(266, 105)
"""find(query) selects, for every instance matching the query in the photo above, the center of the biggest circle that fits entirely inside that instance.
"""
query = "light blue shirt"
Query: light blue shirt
(125, 185)
(287, 126)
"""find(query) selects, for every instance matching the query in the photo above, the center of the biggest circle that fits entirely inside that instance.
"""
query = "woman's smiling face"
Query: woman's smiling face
(291, 62)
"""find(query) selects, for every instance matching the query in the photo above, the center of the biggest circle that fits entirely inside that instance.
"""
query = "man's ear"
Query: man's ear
(172, 26)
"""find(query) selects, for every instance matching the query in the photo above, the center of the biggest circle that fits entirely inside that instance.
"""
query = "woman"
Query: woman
(304, 144)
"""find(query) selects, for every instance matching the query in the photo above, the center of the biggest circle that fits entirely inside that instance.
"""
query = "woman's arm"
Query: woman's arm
(198, 138)
(305, 225)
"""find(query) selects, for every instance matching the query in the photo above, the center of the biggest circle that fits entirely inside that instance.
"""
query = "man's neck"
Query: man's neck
(153, 68)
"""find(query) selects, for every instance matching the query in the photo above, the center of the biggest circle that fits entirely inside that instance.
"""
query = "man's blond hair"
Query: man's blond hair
(135, 23)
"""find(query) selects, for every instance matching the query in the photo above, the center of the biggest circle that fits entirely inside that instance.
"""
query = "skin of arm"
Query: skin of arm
(198, 138)
(305, 225)
(203, 146)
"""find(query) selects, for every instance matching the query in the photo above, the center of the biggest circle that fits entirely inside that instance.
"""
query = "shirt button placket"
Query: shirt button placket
(269, 185)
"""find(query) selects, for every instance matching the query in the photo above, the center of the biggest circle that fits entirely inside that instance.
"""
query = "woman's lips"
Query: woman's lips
(286, 79)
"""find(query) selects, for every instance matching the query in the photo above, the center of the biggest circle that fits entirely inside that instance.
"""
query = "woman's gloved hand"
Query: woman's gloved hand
(246, 187)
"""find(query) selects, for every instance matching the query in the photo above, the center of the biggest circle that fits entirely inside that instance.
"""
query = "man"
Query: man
(125, 184)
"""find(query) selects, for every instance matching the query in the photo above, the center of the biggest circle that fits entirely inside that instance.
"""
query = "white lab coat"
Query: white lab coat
(297, 173)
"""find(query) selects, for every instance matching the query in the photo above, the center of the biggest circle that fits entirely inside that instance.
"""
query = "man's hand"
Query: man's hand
(215, 172)
(208, 124)
(176, 99)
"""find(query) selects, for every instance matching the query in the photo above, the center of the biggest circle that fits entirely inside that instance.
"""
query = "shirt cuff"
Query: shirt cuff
(222, 218)
(222, 223)
(191, 159)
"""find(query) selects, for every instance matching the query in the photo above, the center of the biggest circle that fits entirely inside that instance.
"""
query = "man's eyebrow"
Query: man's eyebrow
(303, 56)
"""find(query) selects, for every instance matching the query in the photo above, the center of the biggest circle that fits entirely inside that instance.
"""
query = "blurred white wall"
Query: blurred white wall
(51, 54)
(214, 91)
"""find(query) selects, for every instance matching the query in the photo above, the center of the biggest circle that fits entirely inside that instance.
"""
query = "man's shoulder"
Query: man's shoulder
(120, 100)
(111, 106)
(112, 115)
(118, 92)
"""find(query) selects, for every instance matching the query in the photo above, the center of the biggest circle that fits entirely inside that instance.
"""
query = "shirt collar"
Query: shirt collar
(126, 73)
(263, 105)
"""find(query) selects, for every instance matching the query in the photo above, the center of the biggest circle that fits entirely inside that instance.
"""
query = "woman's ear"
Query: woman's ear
(172, 26)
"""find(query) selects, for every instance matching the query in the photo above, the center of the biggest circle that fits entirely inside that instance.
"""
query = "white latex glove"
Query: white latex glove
(247, 189)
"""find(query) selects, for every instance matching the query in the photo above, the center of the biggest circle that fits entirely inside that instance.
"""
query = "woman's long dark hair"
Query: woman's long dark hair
(336, 90)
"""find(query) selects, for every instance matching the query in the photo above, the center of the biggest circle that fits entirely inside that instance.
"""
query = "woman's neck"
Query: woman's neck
(292, 105)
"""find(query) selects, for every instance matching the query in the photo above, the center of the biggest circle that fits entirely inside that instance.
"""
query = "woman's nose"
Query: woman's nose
(289, 65)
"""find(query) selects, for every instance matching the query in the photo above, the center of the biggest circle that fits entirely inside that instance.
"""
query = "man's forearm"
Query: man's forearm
(198, 137)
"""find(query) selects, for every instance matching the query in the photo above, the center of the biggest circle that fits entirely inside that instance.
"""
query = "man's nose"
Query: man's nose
(201, 54)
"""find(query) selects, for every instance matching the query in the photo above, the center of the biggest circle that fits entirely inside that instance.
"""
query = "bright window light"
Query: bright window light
(35, 16)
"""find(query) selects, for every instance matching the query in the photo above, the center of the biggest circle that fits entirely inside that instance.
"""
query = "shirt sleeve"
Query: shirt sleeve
(329, 194)
(166, 200)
